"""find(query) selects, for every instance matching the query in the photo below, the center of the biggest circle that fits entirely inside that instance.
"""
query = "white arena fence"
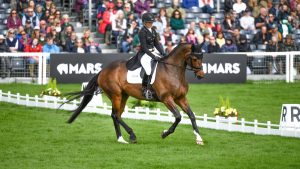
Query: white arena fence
(218, 123)
(261, 66)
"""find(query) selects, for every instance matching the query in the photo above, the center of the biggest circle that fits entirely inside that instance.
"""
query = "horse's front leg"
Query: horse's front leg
(183, 103)
(172, 107)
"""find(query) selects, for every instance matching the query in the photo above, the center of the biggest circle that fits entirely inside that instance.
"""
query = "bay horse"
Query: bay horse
(170, 86)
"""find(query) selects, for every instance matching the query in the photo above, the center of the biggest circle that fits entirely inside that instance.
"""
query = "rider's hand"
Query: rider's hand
(156, 58)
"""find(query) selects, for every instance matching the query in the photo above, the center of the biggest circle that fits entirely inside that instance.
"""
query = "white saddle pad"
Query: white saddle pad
(134, 76)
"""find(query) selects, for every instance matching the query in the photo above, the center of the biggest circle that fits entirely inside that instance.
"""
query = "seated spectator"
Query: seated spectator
(247, 21)
(31, 4)
(48, 5)
(127, 9)
(11, 41)
(126, 45)
(284, 13)
(169, 47)
(175, 6)
(50, 47)
(19, 31)
(13, 20)
(141, 7)
(119, 24)
(79, 47)
(53, 9)
(285, 28)
(65, 35)
(168, 35)
(33, 60)
(190, 3)
(119, 5)
(276, 33)
(228, 4)
(205, 42)
(43, 25)
(262, 37)
(65, 22)
(70, 42)
(207, 6)
(5, 61)
(213, 46)
(243, 45)
(35, 33)
(228, 24)
(176, 21)
(40, 13)
(261, 20)
(220, 38)
(158, 25)
(239, 6)
(191, 37)
(163, 18)
(58, 16)
(271, 19)
(88, 42)
(27, 28)
(42, 39)
(30, 17)
(24, 41)
(229, 46)
(287, 45)
(271, 8)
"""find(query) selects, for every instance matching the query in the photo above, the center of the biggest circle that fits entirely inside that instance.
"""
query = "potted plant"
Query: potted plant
(51, 90)
(224, 110)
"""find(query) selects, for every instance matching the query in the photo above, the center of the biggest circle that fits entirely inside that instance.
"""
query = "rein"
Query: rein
(192, 68)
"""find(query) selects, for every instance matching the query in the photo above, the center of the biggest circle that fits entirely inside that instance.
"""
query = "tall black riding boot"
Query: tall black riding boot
(146, 87)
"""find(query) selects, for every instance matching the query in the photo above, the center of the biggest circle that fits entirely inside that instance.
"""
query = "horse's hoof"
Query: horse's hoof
(164, 134)
(121, 140)
(200, 142)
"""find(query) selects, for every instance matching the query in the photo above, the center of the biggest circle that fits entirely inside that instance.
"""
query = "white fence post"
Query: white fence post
(255, 126)
(205, 120)
(46, 102)
(218, 122)
(18, 98)
(8, 96)
(269, 127)
(291, 67)
(27, 100)
(243, 125)
(158, 113)
(287, 70)
(147, 111)
(55, 102)
(40, 70)
(0, 95)
(36, 100)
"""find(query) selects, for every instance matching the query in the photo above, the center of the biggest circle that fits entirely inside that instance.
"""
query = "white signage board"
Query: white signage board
(97, 98)
(290, 117)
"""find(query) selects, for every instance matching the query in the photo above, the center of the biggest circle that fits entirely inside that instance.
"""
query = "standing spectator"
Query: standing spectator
(33, 60)
(191, 37)
(119, 24)
(13, 20)
(239, 6)
(247, 21)
(207, 6)
(220, 38)
(5, 62)
(11, 41)
(30, 15)
(176, 21)
(229, 46)
(24, 41)
(273, 46)
(262, 37)
(105, 24)
(70, 42)
(79, 8)
(261, 19)
(213, 46)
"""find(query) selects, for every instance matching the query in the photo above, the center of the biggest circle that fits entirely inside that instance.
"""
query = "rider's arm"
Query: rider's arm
(143, 41)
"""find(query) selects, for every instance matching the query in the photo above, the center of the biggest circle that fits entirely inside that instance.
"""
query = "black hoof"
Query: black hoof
(164, 134)
(132, 139)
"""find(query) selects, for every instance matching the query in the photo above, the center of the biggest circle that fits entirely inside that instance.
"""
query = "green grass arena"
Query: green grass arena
(41, 138)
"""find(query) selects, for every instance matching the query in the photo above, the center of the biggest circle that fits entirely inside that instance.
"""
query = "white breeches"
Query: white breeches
(146, 61)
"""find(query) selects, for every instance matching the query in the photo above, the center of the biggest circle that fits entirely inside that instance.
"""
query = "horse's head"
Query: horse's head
(194, 60)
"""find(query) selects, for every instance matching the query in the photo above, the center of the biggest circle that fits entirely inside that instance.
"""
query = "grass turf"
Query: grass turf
(261, 101)
(40, 138)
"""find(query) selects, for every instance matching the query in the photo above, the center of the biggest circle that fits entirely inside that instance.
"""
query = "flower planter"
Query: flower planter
(223, 119)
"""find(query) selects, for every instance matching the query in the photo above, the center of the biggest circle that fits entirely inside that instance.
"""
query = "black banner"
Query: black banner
(77, 68)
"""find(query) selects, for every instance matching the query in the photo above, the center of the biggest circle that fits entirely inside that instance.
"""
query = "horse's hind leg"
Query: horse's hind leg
(119, 103)
(183, 103)
(169, 102)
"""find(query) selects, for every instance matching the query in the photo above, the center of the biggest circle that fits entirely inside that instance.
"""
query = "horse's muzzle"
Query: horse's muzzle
(199, 74)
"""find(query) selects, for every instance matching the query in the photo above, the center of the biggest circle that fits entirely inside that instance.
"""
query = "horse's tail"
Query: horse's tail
(87, 93)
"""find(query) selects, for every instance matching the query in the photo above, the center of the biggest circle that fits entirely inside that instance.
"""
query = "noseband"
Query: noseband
(189, 60)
